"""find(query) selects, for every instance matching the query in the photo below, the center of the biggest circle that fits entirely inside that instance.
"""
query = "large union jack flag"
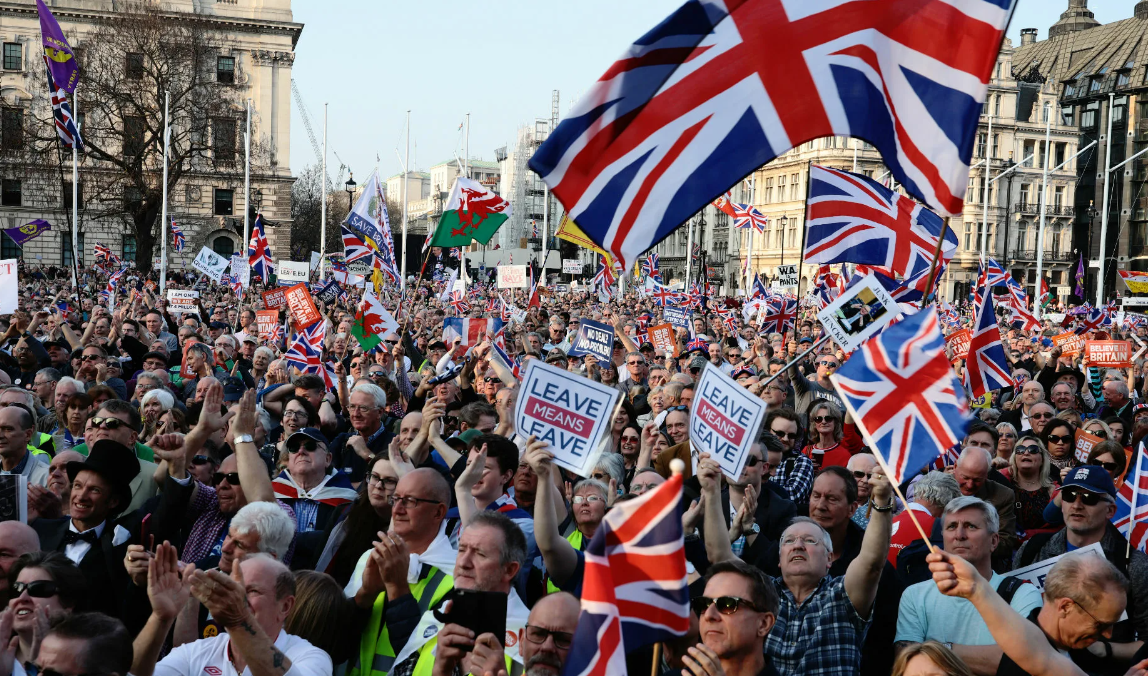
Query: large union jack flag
(102, 252)
(903, 393)
(634, 589)
(650, 265)
(259, 251)
(1094, 321)
(986, 367)
(177, 237)
(306, 351)
(1134, 491)
(62, 113)
(855, 219)
(718, 89)
(778, 315)
(746, 216)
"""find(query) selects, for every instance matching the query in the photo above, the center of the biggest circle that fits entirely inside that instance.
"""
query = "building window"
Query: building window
(997, 102)
(223, 143)
(781, 188)
(1088, 115)
(996, 145)
(13, 56)
(1029, 153)
(135, 66)
(10, 193)
(12, 129)
(1022, 236)
(225, 69)
(768, 191)
(66, 246)
(1123, 78)
(1025, 188)
(1056, 233)
(980, 145)
(1068, 116)
(129, 249)
(794, 186)
(1058, 197)
(67, 194)
(223, 201)
(133, 199)
(969, 237)
(223, 246)
(133, 136)
(8, 247)
(1061, 151)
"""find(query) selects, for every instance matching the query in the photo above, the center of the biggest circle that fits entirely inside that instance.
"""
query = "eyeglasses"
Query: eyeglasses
(1027, 450)
(387, 482)
(309, 444)
(1008, 435)
(231, 477)
(808, 540)
(376, 374)
(590, 499)
(1058, 439)
(391, 342)
(110, 424)
(824, 418)
(1042, 416)
(726, 605)
(90, 357)
(631, 440)
(783, 435)
(828, 363)
(752, 461)
(537, 635)
(1099, 433)
(1071, 494)
(1101, 627)
(409, 502)
(1110, 467)
(39, 589)
(294, 413)
(682, 407)
(858, 474)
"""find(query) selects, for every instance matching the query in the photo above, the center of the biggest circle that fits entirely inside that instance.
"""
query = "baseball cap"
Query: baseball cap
(436, 345)
(804, 340)
(217, 325)
(295, 439)
(698, 362)
(1093, 478)
(233, 388)
(249, 338)
(742, 371)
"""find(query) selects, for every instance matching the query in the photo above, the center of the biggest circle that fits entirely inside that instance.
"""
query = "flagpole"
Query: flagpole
(247, 179)
(1043, 211)
(406, 181)
(1104, 216)
(165, 224)
(805, 231)
(466, 149)
(933, 266)
(988, 175)
(76, 189)
(323, 202)
(689, 251)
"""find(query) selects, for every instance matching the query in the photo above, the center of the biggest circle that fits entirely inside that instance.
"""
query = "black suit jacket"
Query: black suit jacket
(103, 565)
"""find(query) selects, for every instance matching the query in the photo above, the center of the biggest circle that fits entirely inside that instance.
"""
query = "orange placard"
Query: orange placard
(184, 371)
(1109, 353)
(268, 323)
(958, 343)
(274, 299)
(1084, 444)
(662, 336)
(1069, 343)
(301, 307)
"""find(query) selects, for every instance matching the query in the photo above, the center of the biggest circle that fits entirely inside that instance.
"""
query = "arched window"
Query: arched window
(223, 246)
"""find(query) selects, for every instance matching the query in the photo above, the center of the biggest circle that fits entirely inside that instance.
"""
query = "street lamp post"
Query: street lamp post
(350, 193)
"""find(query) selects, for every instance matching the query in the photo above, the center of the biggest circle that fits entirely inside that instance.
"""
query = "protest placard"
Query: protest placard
(569, 412)
(291, 273)
(185, 371)
(9, 287)
(274, 299)
(329, 292)
(1037, 572)
(512, 277)
(1084, 445)
(268, 323)
(724, 420)
(210, 263)
(678, 316)
(300, 306)
(1069, 343)
(662, 336)
(958, 343)
(182, 301)
(571, 266)
(858, 313)
(593, 338)
(1109, 353)
(241, 269)
(787, 275)
(316, 258)
(14, 497)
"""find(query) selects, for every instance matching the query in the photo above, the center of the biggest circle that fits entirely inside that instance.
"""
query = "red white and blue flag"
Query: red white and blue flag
(177, 237)
(1094, 321)
(718, 89)
(102, 252)
(650, 265)
(306, 351)
(634, 589)
(259, 251)
(62, 113)
(746, 217)
(1131, 522)
(778, 315)
(901, 390)
(498, 341)
(986, 367)
(458, 301)
(470, 330)
(758, 289)
(852, 218)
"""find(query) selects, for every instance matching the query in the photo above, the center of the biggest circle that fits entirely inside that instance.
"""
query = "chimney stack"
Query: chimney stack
(1027, 36)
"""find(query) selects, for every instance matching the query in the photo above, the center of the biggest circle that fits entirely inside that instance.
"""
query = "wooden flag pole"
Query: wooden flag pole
(933, 266)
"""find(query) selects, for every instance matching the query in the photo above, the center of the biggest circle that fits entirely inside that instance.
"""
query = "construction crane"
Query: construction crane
(314, 141)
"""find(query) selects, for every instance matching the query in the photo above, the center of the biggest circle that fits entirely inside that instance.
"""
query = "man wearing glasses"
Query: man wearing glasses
(807, 390)
(795, 473)
(314, 489)
(735, 615)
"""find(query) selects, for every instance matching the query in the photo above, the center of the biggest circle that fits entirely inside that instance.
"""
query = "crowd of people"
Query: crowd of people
(195, 503)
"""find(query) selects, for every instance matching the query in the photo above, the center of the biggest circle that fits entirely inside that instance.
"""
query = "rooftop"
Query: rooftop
(1107, 56)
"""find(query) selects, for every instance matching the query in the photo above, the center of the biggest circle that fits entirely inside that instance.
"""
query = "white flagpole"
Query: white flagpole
(987, 187)
(1043, 211)
(164, 223)
(247, 181)
(466, 149)
(76, 190)
(323, 202)
(406, 180)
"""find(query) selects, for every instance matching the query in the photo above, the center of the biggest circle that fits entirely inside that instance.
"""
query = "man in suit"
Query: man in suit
(92, 536)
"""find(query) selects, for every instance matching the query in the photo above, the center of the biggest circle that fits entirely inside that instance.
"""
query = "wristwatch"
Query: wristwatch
(755, 528)
(244, 439)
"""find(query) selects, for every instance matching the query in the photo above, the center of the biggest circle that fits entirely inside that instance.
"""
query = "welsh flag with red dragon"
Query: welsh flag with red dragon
(472, 212)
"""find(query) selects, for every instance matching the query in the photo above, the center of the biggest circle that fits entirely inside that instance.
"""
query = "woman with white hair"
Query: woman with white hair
(153, 405)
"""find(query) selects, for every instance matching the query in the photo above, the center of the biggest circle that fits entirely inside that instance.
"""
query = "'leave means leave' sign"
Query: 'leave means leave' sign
(724, 420)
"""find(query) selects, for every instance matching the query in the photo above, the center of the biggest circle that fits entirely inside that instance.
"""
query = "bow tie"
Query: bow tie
(72, 537)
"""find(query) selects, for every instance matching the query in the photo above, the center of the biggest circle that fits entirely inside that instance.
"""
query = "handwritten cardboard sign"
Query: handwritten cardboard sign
(724, 420)
(569, 412)
(1085, 442)
(1069, 343)
(275, 299)
(1109, 353)
(300, 306)
(593, 338)
(182, 301)
(662, 336)
(958, 343)
(512, 277)
(268, 323)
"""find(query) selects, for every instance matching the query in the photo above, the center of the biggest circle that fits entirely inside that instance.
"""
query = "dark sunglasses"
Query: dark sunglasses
(826, 362)
(726, 605)
(1071, 494)
(232, 478)
(1027, 450)
(681, 407)
(1100, 433)
(783, 435)
(310, 444)
(1110, 467)
(110, 424)
(40, 589)
(90, 357)
(823, 418)
(1042, 416)
(1058, 439)
(752, 461)
(200, 460)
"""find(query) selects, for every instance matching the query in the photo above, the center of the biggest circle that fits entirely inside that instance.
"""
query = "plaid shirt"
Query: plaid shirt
(210, 524)
(795, 474)
(820, 637)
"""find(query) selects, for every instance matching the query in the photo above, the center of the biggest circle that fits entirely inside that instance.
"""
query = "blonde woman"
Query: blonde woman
(1029, 469)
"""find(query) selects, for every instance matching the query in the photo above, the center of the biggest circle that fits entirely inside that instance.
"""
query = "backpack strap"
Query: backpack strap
(1008, 588)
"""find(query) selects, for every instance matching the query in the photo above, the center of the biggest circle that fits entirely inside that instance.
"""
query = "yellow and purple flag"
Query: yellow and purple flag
(58, 53)
(28, 231)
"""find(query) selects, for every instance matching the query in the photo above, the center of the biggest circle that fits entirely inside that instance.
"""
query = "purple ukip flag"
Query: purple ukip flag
(61, 59)
(28, 231)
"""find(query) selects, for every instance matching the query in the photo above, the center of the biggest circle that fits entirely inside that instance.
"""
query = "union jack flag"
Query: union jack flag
(498, 341)
(1134, 490)
(903, 394)
(746, 216)
(259, 251)
(1134, 320)
(1095, 321)
(855, 219)
(605, 275)
(103, 253)
(232, 281)
(504, 312)
(1018, 303)
(696, 252)
(113, 281)
(697, 103)
(306, 351)
(355, 249)
(650, 265)
(758, 289)
(458, 300)
(177, 237)
(62, 112)
(778, 316)
(634, 589)
(986, 367)
(664, 296)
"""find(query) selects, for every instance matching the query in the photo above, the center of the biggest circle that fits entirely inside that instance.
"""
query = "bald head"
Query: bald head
(972, 469)
(553, 612)
(429, 482)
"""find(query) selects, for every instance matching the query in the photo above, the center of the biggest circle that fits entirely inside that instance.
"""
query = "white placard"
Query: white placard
(292, 272)
(512, 277)
(569, 412)
(180, 301)
(858, 313)
(787, 275)
(571, 266)
(316, 257)
(1037, 572)
(9, 286)
(211, 264)
(724, 420)
(243, 270)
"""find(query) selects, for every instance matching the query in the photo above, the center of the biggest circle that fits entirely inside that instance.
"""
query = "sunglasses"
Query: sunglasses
(1042, 416)
(231, 477)
(1058, 439)
(200, 460)
(110, 424)
(1027, 450)
(858, 474)
(1071, 494)
(726, 605)
(376, 374)
(90, 357)
(826, 362)
(309, 444)
(752, 461)
(40, 589)
(1110, 467)
(783, 435)
(1100, 433)
(823, 418)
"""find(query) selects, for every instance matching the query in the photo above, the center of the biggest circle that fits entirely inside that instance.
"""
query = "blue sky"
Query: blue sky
(499, 61)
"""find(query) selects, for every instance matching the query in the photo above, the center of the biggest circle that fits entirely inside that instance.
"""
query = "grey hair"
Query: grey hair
(594, 484)
(992, 519)
(973, 450)
(166, 400)
(1083, 573)
(1120, 385)
(264, 419)
(148, 375)
(276, 530)
(937, 488)
(513, 540)
(29, 398)
(229, 339)
(375, 391)
(825, 538)
(1001, 427)
(51, 374)
(66, 380)
(268, 352)
(612, 464)
(203, 349)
